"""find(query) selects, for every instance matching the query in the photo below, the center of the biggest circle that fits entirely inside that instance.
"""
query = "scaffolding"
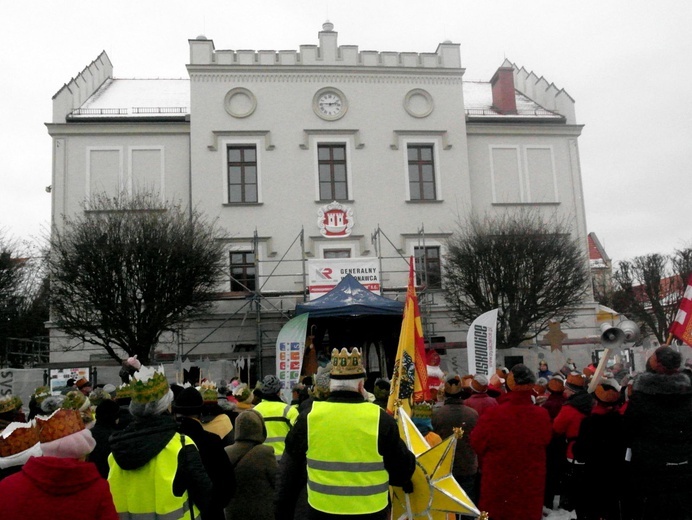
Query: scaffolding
(266, 311)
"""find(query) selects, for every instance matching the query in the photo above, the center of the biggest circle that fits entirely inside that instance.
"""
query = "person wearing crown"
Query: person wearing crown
(156, 472)
(351, 448)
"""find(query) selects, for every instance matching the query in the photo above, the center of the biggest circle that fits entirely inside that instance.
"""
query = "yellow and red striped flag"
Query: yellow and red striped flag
(410, 375)
(681, 327)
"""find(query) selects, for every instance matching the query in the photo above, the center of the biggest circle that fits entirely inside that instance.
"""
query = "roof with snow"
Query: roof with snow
(128, 99)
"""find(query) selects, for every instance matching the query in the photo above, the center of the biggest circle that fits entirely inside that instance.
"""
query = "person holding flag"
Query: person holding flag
(410, 378)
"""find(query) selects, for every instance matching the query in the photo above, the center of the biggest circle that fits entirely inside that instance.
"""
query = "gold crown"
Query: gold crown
(422, 410)
(124, 391)
(347, 365)
(40, 394)
(74, 400)
(60, 424)
(151, 385)
(209, 392)
(9, 402)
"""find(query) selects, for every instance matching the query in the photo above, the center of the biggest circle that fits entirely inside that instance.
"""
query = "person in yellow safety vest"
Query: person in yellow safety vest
(156, 472)
(278, 416)
(351, 448)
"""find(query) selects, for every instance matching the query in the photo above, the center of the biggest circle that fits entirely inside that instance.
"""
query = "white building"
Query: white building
(265, 141)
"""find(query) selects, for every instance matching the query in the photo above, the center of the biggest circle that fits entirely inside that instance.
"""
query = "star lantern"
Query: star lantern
(435, 491)
(555, 336)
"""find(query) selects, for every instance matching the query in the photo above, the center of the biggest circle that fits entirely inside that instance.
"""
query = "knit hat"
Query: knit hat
(320, 389)
(421, 415)
(271, 385)
(249, 426)
(520, 378)
(479, 383)
(575, 381)
(556, 385)
(608, 391)
(9, 403)
(18, 442)
(188, 402)
(664, 360)
(63, 434)
(347, 365)
(110, 389)
(453, 386)
(51, 404)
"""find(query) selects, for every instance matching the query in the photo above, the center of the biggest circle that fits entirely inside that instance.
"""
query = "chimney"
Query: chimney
(502, 83)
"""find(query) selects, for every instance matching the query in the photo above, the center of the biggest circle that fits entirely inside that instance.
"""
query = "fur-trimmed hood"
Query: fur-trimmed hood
(662, 384)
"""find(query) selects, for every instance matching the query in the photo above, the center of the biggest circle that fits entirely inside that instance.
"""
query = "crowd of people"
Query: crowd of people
(528, 442)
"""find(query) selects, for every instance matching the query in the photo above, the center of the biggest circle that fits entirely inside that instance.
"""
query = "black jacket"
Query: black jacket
(144, 439)
(219, 469)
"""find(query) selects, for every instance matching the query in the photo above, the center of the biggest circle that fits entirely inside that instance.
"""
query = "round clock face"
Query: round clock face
(329, 104)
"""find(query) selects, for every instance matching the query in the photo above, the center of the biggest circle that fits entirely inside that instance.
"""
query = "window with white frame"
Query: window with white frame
(332, 171)
(104, 171)
(523, 174)
(242, 179)
(421, 172)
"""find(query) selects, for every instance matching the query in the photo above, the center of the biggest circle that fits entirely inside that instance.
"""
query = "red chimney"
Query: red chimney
(504, 100)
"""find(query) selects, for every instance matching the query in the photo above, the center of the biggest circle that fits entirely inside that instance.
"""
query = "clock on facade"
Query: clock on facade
(329, 103)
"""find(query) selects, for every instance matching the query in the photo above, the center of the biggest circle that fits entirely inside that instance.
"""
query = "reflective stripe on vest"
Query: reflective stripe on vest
(146, 493)
(343, 460)
(278, 417)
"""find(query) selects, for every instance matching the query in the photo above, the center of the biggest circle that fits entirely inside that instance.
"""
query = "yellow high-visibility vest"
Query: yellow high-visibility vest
(346, 474)
(147, 492)
(278, 417)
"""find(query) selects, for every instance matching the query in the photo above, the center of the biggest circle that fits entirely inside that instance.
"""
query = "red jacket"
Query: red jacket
(567, 423)
(510, 440)
(59, 489)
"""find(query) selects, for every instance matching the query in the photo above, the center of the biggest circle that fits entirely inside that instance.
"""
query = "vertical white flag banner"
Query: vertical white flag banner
(290, 345)
(480, 344)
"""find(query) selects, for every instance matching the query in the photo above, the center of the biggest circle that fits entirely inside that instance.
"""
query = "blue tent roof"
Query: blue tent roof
(350, 298)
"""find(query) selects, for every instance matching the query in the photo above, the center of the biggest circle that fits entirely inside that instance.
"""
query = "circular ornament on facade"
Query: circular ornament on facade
(329, 103)
(418, 103)
(240, 102)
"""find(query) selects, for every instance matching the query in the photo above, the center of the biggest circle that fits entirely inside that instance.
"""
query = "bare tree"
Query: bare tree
(130, 268)
(649, 288)
(533, 270)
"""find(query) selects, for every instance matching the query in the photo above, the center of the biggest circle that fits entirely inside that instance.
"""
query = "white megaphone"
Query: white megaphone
(612, 337)
(631, 330)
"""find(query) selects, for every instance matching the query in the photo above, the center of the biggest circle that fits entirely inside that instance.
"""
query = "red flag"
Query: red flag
(410, 377)
(681, 327)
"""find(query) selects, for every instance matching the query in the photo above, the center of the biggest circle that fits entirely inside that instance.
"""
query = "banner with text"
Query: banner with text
(480, 344)
(325, 274)
(290, 345)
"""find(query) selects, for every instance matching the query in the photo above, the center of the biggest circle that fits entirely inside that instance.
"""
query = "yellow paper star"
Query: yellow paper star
(435, 491)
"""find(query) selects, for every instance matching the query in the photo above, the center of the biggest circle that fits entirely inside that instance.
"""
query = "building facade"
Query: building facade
(324, 153)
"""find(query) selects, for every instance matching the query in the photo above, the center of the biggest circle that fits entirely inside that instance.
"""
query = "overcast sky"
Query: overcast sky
(626, 64)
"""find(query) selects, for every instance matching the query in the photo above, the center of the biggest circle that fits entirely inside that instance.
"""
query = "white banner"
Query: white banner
(325, 274)
(481, 345)
(290, 345)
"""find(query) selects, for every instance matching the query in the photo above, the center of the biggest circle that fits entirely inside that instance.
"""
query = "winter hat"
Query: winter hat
(51, 404)
(608, 391)
(556, 385)
(664, 360)
(18, 442)
(271, 385)
(133, 362)
(453, 386)
(63, 434)
(151, 394)
(107, 412)
(249, 426)
(479, 383)
(9, 403)
(188, 402)
(540, 386)
(109, 389)
(520, 378)
(347, 365)
(575, 381)
(320, 389)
